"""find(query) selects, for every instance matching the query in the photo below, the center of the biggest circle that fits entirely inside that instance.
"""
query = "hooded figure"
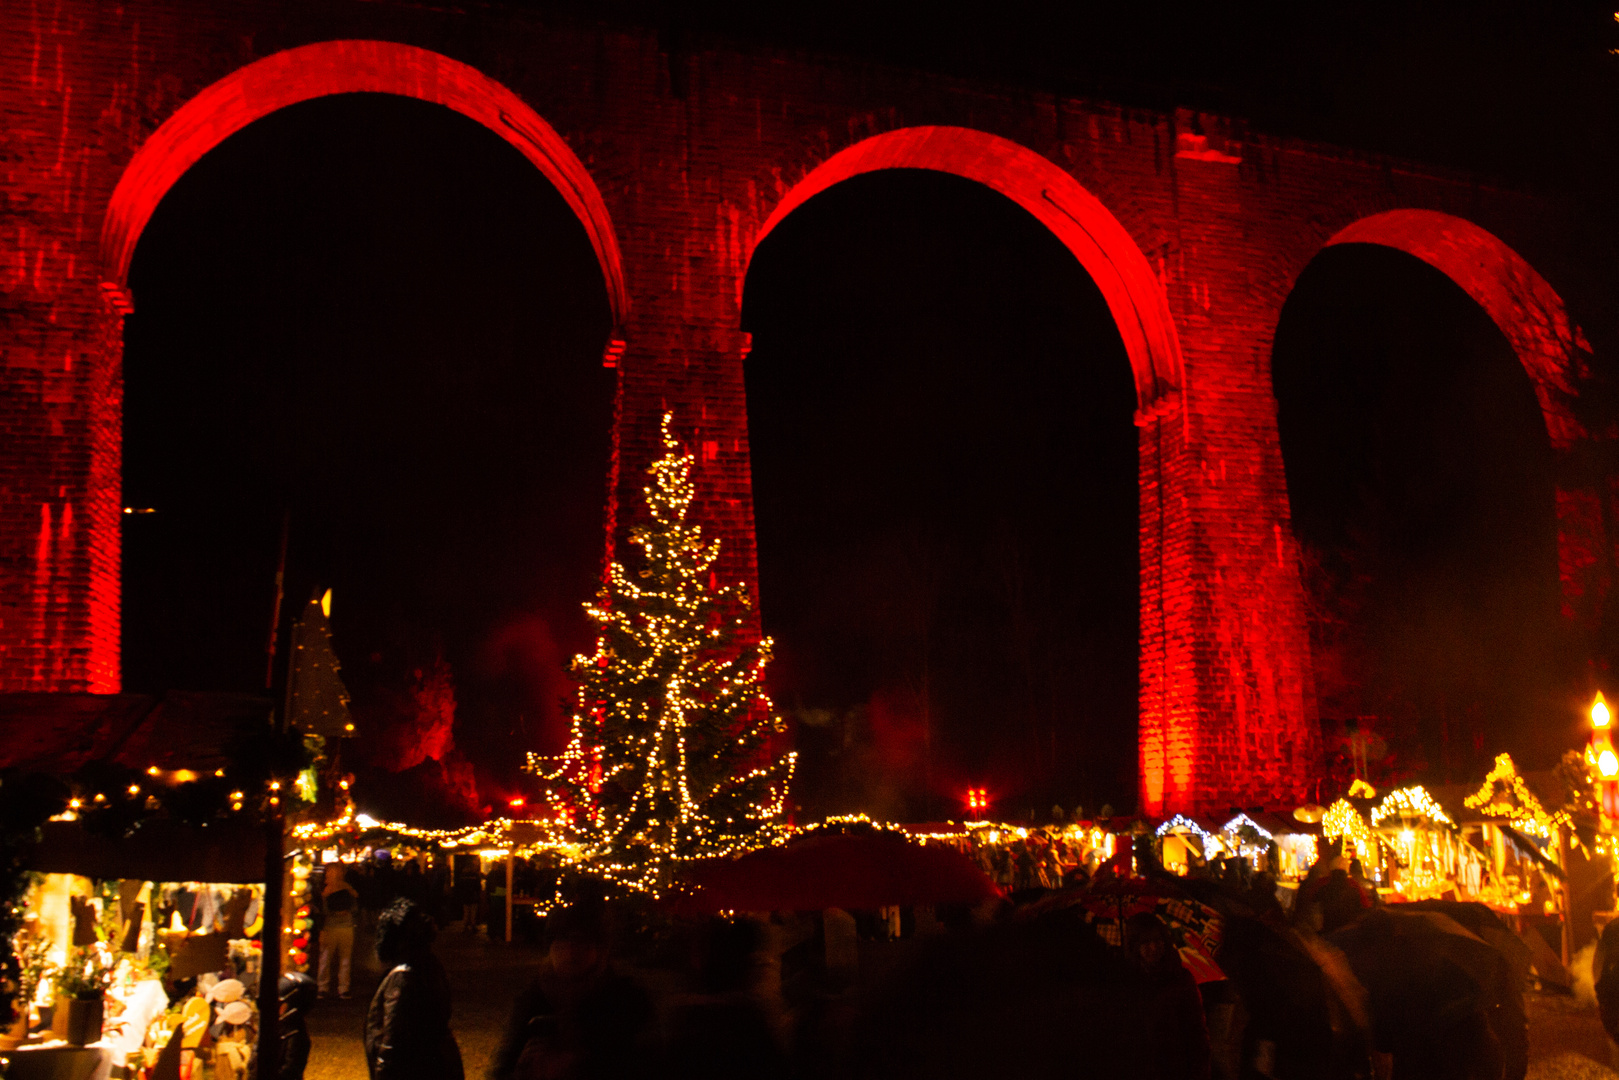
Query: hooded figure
(407, 1028)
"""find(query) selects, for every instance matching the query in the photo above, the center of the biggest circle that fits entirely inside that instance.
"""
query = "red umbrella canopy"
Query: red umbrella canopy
(826, 870)
(1113, 897)
(1193, 926)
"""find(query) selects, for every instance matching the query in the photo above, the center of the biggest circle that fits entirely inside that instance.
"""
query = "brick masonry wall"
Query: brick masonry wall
(690, 154)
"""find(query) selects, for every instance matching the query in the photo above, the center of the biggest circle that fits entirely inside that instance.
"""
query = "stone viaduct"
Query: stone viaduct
(677, 165)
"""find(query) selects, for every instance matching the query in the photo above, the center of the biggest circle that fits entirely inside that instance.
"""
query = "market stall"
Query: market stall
(140, 928)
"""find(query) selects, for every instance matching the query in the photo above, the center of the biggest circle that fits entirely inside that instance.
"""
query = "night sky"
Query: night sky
(371, 312)
(1421, 485)
(372, 317)
(944, 455)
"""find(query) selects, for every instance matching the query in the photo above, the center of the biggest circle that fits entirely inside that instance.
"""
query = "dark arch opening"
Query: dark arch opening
(944, 476)
(1422, 490)
(374, 313)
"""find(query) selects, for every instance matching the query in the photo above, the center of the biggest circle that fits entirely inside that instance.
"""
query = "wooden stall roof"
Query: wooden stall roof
(61, 733)
(159, 850)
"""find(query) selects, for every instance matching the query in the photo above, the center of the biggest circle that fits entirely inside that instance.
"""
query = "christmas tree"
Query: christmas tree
(317, 700)
(669, 757)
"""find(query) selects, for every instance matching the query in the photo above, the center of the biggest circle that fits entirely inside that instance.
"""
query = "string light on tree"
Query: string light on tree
(668, 756)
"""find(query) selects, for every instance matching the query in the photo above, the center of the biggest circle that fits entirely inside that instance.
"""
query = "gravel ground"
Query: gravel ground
(484, 977)
(1566, 1040)
(1570, 1066)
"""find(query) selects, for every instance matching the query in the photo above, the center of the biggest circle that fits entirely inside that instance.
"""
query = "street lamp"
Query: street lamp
(1602, 755)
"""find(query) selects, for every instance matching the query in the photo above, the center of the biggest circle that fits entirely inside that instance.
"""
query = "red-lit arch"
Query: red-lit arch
(1086, 227)
(1527, 309)
(346, 67)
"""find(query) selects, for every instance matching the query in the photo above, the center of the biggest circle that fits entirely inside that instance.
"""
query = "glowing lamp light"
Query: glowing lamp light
(326, 604)
(1599, 712)
(517, 803)
(1607, 764)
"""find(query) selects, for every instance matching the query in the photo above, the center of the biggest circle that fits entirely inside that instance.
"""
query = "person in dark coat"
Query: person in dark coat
(296, 992)
(1605, 974)
(723, 1032)
(407, 1028)
(1171, 1004)
(468, 892)
(578, 1019)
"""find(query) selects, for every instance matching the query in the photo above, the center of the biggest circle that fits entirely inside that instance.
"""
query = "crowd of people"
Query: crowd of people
(1326, 985)
(748, 997)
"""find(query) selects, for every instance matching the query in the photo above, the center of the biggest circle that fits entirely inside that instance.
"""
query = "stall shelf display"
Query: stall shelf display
(106, 952)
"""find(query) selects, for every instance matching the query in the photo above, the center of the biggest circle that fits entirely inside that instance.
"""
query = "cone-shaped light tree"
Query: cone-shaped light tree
(669, 757)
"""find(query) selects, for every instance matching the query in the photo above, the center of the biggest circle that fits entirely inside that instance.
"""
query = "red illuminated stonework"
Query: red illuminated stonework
(677, 166)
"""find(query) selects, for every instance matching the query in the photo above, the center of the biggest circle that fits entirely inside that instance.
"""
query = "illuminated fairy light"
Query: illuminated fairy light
(1505, 795)
(1242, 820)
(1343, 820)
(1408, 803)
(644, 783)
(1180, 823)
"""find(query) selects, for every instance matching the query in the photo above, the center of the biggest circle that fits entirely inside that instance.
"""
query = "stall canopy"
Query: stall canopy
(224, 851)
(61, 734)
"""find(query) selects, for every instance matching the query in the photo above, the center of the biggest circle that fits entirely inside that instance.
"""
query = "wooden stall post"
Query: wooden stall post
(270, 963)
(1565, 897)
(508, 895)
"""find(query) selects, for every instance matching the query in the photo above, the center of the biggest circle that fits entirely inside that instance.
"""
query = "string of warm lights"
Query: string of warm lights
(667, 753)
(857, 822)
(1343, 820)
(1410, 803)
(1505, 795)
(503, 834)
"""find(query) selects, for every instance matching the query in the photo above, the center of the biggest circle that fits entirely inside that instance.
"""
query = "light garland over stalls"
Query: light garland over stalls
(1505, 795)
(521, 837)
(1410, 802)
(1240, 820)
(1180, 823)
(668, 754)
(1342, 819)
(841, 822)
